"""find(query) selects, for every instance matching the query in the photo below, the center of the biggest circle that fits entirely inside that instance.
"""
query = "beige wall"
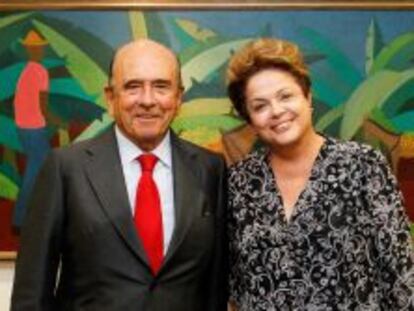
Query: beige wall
(6, 278)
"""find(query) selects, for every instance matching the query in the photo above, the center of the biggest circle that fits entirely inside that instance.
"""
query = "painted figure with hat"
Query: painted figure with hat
(30, 104)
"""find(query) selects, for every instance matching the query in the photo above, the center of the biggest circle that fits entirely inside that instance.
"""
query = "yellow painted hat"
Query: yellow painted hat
(33, 39)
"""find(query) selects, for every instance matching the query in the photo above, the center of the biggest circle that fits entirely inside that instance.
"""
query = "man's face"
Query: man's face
(145, 93)
(35, 52)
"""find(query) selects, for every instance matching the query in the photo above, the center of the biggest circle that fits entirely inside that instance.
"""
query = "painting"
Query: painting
(54, 64)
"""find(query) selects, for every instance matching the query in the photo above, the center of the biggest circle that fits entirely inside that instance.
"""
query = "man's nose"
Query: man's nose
(147, 96)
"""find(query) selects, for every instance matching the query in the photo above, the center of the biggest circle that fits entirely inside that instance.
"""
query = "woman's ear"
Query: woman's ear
(310, 98)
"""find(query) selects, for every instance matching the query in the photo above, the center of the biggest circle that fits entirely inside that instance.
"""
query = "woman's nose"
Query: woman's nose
(277, 108)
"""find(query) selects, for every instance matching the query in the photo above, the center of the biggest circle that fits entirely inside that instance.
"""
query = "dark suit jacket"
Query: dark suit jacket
(80, 220)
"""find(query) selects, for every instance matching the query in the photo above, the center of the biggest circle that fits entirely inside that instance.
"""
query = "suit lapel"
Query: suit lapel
(187, 195)
(105, 174)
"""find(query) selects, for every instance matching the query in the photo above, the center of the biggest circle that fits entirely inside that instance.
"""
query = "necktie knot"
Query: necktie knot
(147, 162)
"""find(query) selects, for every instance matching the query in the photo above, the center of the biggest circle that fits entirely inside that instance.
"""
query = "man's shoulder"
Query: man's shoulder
(78, 148)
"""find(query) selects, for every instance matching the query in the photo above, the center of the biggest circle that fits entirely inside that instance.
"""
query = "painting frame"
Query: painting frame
(185, 5)
(14, 5)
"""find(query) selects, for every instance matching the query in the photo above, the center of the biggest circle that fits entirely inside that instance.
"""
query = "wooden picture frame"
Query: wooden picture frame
(205, 4)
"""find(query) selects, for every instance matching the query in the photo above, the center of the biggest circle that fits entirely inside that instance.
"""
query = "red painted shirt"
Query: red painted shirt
(27, 111)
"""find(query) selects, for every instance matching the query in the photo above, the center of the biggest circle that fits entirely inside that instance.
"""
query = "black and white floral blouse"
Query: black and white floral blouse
(346, 247)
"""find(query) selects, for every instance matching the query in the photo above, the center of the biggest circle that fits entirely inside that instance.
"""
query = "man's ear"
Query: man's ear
(110, 98)
(180, 95)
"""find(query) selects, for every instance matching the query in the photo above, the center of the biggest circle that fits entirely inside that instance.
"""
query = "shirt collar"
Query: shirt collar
(129, 151)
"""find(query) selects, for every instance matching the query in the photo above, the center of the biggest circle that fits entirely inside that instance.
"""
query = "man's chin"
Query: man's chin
(148, 140)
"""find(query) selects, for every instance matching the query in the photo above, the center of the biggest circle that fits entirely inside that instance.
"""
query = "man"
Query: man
(30, 111)
(86, 212)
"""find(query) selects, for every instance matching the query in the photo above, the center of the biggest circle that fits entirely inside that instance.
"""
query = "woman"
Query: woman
(315, 223)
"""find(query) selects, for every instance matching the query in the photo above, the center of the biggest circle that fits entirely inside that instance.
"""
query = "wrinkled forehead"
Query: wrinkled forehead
(145, 63)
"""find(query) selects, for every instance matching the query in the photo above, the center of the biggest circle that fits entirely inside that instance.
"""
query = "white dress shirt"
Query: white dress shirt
(162, 174)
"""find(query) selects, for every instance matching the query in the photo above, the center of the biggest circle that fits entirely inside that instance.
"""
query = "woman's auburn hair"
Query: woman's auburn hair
(259, 55)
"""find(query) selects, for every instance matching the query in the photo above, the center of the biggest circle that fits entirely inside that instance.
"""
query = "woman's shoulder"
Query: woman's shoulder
(252, 161)
(352, 150)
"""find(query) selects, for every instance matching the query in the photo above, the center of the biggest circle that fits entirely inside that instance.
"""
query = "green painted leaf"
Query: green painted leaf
(9, 77)
(342, 72)
(404, 122)
(6, 108)
(93, 46)
(205, 106)
(219, 122)
(322, 88)
(97, 127)
(183, 39)
(199, 47)
(8, 134)
(69, 87)
(215, 89)
(10, 172)
(201, 135)
(82, 67)
(156, 28)
(407, 106)
(138, 25)
(194, 30)
(397, 55)
(400, 100)
(330, 117)
(74, 108)
(214, 84)
(311, 57)
(378, 116)
(8, 189)
(50, 63)
(372, 93)
(265, 31)
(374, 44)
(209, 60)
(11, 19)
(320, 108)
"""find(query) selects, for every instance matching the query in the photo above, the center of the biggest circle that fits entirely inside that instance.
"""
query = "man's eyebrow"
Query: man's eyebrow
(133, 81)
(130, 82)
(164, 81)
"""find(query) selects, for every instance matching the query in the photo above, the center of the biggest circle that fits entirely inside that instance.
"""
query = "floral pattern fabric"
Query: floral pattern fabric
(346, 246)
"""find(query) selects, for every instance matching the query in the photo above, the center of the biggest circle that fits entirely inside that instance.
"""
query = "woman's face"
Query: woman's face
(279, 111)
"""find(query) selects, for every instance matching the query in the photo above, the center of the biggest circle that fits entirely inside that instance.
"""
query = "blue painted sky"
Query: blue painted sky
(346, 28)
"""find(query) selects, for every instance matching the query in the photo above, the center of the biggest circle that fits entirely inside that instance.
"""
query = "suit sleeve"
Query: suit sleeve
(38, 258)
(392, 240)
(218, 290)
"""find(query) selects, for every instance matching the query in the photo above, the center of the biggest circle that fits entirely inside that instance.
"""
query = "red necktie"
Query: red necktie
(148, 219)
